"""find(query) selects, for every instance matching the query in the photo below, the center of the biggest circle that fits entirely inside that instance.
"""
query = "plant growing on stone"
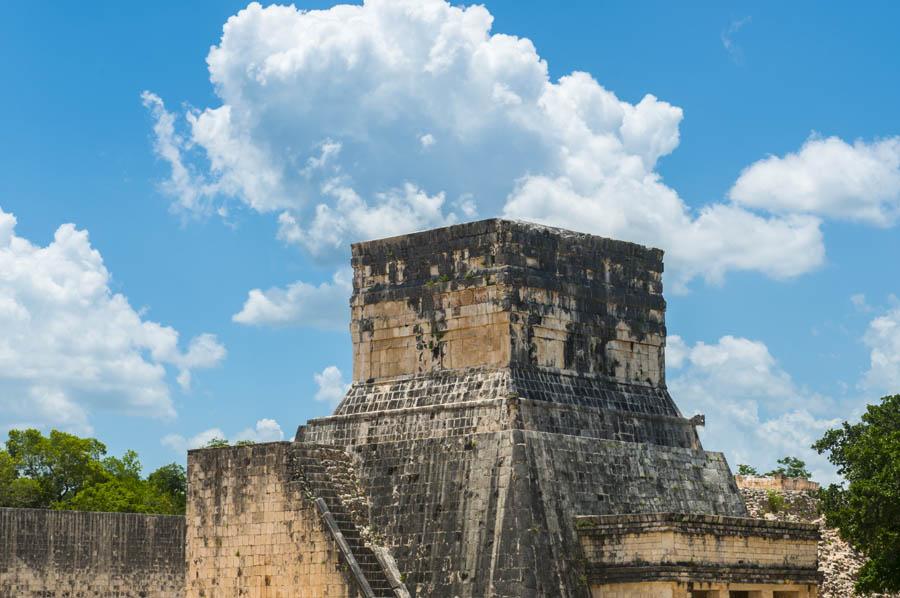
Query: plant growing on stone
(774, 501)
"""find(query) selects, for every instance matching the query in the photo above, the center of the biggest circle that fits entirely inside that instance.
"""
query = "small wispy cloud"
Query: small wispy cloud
(733, 49)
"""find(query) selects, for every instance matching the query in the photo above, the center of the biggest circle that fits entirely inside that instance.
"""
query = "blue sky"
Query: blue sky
(768, 167)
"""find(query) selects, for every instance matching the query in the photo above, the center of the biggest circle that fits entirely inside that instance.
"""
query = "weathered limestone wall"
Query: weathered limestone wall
(698, 540)
(252, 533)
(492, 513)
(456, 403)
(52, 554)
(709, 590)
(777, 482)
(496, 292)
(698, 556)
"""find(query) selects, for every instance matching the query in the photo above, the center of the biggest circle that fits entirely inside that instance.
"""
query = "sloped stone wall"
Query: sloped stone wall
(50, 554)
(492, 514)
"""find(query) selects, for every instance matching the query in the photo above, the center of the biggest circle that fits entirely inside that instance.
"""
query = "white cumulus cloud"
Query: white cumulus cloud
(325, 306)
(180, 444)
(265, 430)
(882, 337)
(755, 412)
(332, 387)
(365, 121)
(828, 177)
(70, 346)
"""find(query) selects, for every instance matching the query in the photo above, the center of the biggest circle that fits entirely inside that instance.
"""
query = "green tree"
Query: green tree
(171, 479)
(127, 468)
(16, 491)
(125, 496)
(216, 443)
(791, 467)
(866, 511)
(744, 469)
(63, 471)
(61, 464)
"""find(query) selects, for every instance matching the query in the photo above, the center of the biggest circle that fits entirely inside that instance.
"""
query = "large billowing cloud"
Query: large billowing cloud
(828, 177)
(324, 306)
(755, 412)
(364, 121)
(70, 346)
(883, 340)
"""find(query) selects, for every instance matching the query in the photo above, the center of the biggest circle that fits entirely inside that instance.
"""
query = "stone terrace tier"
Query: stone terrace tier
(711, 552)
(499, 292)
(455, 403)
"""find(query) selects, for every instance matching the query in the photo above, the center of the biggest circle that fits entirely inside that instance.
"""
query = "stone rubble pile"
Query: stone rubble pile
(838, 561)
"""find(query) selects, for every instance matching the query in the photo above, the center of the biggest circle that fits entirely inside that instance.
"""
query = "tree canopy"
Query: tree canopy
(791, 467)
(744, 469)
(64, 471)
(866, 510)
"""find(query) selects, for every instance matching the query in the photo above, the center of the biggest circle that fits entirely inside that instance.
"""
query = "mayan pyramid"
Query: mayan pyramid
(508, 377)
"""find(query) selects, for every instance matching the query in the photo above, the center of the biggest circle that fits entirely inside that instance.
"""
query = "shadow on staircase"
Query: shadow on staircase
(327, 476)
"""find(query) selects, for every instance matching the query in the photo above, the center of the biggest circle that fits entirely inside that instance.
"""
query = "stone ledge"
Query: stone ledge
(716, 525)
(688, 572)
(369, 415)
(495, 226)
(776, 482)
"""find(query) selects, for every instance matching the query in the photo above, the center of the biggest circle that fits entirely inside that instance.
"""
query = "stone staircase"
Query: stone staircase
(327, 473)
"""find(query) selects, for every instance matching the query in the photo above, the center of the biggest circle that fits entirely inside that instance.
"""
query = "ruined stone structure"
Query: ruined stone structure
(508, 433)
(105, 555)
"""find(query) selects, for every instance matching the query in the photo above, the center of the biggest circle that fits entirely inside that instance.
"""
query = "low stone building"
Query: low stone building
(508, 433)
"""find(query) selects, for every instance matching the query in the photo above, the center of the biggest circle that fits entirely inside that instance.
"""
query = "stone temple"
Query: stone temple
(508, 433)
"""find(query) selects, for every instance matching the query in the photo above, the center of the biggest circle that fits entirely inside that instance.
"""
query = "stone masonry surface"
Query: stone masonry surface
(50, 554)
(695, 548)
(251, 531)
(497, 292)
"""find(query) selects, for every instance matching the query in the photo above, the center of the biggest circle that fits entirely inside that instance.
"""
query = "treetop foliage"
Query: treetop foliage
(744, 469)
(791, 467)
(866, 510)
(64, 471)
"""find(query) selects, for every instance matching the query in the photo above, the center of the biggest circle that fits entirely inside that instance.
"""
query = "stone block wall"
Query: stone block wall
(779, 483)
(496, 292)
(492, 513)
(461, 402)
(50, 554)
(698, 555)
(670, 539)
(251, 531)
(668, 589)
